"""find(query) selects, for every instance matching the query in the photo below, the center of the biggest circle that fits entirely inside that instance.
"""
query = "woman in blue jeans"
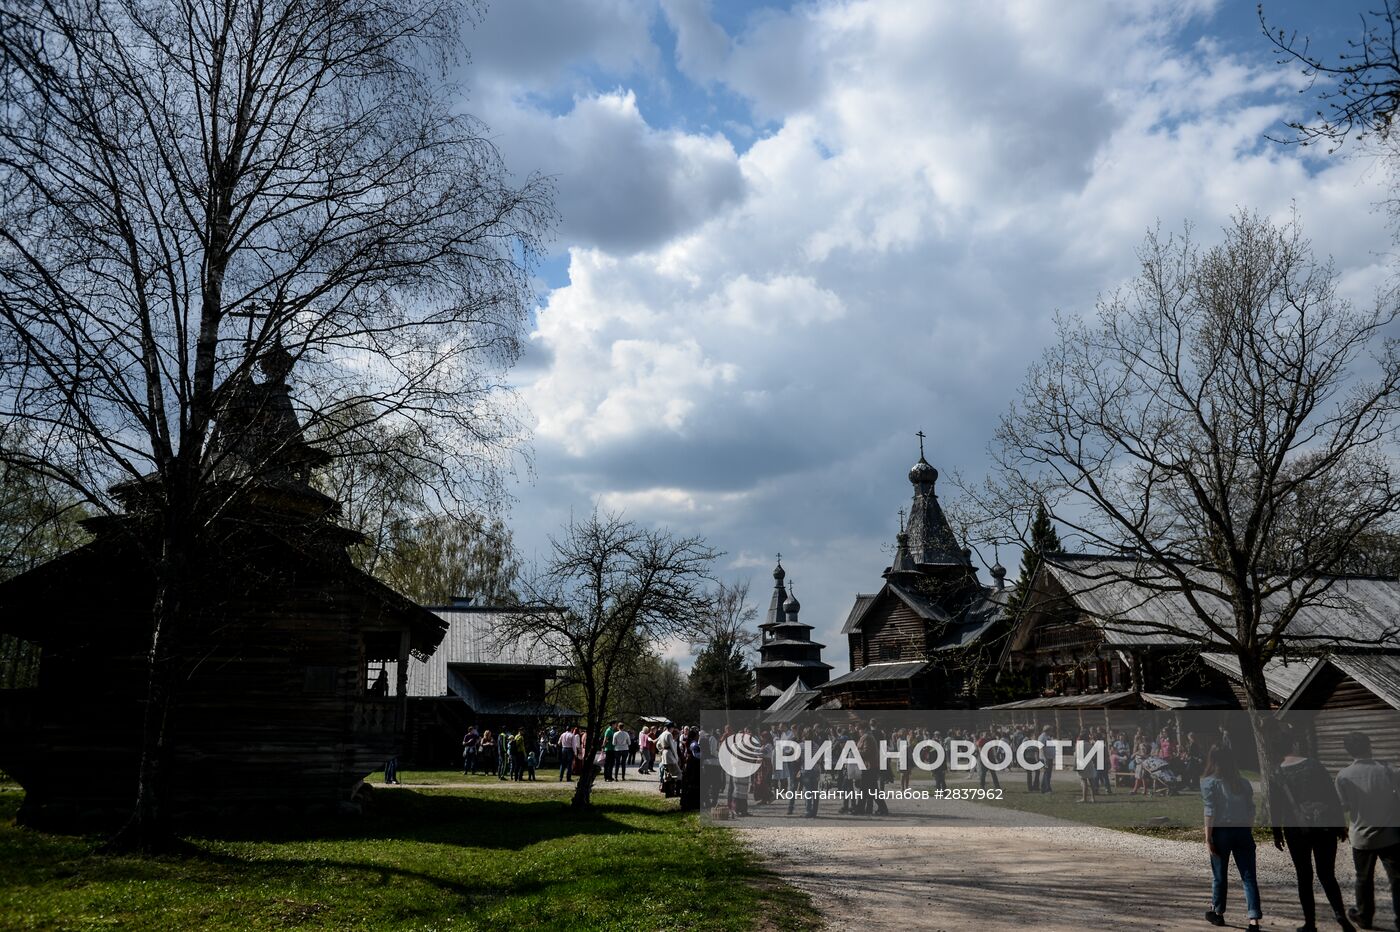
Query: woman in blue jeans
(1229, 812)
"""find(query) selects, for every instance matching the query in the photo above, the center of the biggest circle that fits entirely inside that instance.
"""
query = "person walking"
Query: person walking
(1229, 819)
(1370, 793)
(1088, 771)
(985, 765)
(940, 772)
(811, 780)
(644, 744)
(1029, 755)
(1048, 758)
(1309, 812)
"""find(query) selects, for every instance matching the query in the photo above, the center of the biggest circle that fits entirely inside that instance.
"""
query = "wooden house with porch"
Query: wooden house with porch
(290, 673)
(1103, 632)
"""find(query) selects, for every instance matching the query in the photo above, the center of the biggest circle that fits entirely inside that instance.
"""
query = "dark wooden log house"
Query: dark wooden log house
(291, 685)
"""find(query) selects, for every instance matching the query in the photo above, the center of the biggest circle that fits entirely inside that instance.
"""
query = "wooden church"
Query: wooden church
(290, 684)
(788, 656)
(921, 641)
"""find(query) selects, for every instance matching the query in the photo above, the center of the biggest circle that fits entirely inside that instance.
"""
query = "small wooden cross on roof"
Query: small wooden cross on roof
(920, 435)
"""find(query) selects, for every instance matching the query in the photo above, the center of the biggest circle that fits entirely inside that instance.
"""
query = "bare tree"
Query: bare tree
(609, 592)
(1359, 87)
(187, 190)
(723, 643)
(1210, 425)
(655, 685)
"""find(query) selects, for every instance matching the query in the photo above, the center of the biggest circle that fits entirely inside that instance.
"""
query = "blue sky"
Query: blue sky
(792, 235)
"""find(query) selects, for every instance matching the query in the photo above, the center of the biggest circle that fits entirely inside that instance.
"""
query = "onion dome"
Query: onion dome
(923, 473)
(779, 572)
(791, 607)
(999, 574)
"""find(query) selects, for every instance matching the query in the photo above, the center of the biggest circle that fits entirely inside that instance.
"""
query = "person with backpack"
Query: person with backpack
(1369, 791)
(1306, 805)
(1228, 800)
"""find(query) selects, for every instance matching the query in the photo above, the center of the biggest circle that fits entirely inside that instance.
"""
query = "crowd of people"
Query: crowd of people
(1313, 811)
(509, 753)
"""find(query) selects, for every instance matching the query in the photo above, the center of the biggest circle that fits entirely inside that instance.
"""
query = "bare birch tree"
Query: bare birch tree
(1226, 423)
(610, 591)
(187, 189)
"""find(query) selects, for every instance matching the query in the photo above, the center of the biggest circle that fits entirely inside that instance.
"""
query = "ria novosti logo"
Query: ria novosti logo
(741, 755)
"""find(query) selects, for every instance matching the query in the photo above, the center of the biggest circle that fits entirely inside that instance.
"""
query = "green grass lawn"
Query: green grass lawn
(422, 859)
(1179, 816)
(439, 777)
(1121, 810)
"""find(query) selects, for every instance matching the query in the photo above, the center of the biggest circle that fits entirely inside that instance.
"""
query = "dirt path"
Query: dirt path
(865, 873)
(869, 876)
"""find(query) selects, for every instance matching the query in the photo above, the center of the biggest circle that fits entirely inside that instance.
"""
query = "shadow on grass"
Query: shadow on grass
(508, 822)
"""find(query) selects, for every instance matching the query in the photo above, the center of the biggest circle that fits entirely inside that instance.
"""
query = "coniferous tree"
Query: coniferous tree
(721, 678)
(1043, 540)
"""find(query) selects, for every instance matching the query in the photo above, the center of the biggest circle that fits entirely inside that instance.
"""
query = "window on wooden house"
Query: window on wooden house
(382, 677)
(381, 664)
(891, 651)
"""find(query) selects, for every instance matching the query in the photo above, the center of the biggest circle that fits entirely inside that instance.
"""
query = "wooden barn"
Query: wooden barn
(474, 678)
(1347, 693)
(291, 671)
(1099, 630)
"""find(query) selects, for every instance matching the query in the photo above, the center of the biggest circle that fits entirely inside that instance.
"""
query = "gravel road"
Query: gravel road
(864, 873)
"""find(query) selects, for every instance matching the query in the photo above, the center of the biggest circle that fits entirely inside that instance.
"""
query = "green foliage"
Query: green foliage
(437, 558)
(38, 521)
(385, 483)
(721, 678)
(655, 686)
(433, 859)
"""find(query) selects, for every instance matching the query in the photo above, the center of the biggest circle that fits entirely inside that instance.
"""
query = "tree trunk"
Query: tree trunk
(584, 788)
(1260, 707)
(149, 827)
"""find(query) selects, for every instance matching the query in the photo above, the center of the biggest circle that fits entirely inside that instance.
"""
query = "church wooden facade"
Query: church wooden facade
(923, 639)
(290, 671)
